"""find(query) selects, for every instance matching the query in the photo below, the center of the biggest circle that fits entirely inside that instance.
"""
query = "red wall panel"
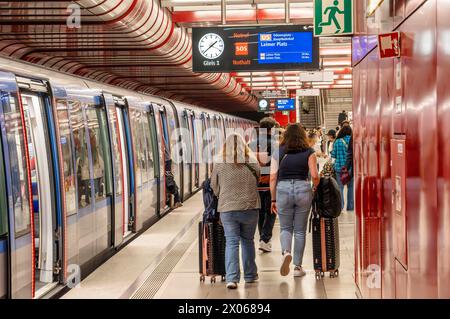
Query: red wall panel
(419, 63)
(372, 184)
(375, 117)
(387, 90)
(443, 109)
(285, 120)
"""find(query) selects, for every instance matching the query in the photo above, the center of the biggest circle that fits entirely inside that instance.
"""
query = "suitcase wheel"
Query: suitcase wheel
(334, 274)
(202, 278)
(320, 274)
(213, 280)
(223, 279)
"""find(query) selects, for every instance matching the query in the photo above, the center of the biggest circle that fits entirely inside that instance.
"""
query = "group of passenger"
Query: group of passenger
(272, 176)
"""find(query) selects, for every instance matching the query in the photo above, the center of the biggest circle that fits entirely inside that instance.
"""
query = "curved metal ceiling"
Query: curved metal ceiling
(129, 43)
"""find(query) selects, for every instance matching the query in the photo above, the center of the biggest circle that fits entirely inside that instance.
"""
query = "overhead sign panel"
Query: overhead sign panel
(308, 92)
(286, 104)
(318, 76)
(268, 105)
(333, 17)
(259, 48)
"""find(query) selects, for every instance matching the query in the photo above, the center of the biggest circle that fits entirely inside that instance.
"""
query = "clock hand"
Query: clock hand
(210, 47)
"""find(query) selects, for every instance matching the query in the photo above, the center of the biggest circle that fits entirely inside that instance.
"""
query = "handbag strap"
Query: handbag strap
(252, 170)
(314, 213)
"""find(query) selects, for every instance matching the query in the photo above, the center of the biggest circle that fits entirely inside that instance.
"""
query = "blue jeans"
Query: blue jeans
(240, 226)
(294, 198)
(350, 195)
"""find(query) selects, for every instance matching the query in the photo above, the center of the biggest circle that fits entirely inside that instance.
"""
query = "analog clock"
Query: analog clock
(211, 46)
(263, 104)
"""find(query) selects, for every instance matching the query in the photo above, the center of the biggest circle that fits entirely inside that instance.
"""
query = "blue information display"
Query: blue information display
(274, 104)
(258, 48)
(286, 104)
(285, 47)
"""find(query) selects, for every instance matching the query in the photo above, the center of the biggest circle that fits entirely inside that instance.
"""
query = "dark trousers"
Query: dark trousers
(266, 218)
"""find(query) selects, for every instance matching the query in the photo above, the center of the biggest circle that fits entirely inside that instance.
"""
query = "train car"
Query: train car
(82, 171)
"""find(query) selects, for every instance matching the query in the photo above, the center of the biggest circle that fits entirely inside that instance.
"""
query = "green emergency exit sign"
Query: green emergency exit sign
(333, 17)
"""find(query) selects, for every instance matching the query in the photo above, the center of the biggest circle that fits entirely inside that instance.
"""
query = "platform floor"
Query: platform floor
(163, 263)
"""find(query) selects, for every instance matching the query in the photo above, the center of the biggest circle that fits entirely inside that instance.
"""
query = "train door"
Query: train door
(118, 172)
(127, 164)
(44, 174)
(193, 128)
(101, 184)
(202, 148)
(3, 230)
(167, 152)
(206, 151)
(157, 138)
(174, 140)
(187, 155)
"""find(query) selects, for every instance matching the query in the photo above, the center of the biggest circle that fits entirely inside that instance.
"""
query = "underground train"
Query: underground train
(82, 171)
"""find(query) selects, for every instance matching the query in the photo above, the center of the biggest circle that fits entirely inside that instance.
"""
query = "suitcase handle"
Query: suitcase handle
(314, 213)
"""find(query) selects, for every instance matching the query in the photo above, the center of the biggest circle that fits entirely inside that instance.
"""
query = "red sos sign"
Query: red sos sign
(241, 48)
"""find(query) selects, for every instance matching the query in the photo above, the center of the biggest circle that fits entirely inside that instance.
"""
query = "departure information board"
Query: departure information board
(268, 105)
(259, 48)
(286, 104)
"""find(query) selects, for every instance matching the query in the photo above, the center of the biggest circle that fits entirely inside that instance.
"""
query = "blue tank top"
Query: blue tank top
(294, 164)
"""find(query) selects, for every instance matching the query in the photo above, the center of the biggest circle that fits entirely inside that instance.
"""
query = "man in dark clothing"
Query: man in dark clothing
(342, 117)
(171, 185)
(262, 146)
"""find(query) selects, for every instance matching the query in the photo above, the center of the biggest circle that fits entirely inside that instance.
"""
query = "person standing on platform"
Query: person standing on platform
(315, 143)
(331, 137)
(171, 185)
(339, 153)
(262, 146)
(292, 194)
(234, 180)
(343, 116)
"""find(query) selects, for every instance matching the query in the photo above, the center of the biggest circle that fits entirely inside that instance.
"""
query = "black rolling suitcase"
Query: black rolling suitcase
(211, 238)
(211, 250)
(326, 208)
(325, 234)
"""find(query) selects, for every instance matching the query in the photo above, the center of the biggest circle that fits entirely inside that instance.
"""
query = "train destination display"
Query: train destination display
(259, 48)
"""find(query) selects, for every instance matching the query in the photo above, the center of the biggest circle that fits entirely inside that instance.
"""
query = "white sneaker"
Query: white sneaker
(299, 272)
(286, 263)
(265, 247)
(232, 285)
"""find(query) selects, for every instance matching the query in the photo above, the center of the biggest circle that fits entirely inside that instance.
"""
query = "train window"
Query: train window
(116, 150)
(3, 207)
(81, 153)
(144, 149)
(149, 146)
(19, 175)
(172, 128)
(62, 114)
(139, 147)
(98, 137)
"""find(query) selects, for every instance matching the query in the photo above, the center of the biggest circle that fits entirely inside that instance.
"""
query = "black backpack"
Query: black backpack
(210, 201)
(328, 197)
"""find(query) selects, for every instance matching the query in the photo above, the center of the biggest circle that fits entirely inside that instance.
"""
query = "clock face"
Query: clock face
(211, 46)
(263, 104)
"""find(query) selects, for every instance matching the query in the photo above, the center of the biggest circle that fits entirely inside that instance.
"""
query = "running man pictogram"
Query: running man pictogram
(332, 11)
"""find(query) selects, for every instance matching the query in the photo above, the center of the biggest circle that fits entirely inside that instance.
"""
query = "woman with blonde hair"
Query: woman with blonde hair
(234, 180)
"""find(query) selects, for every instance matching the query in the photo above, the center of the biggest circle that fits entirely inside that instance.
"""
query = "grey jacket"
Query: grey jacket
(236, 186)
